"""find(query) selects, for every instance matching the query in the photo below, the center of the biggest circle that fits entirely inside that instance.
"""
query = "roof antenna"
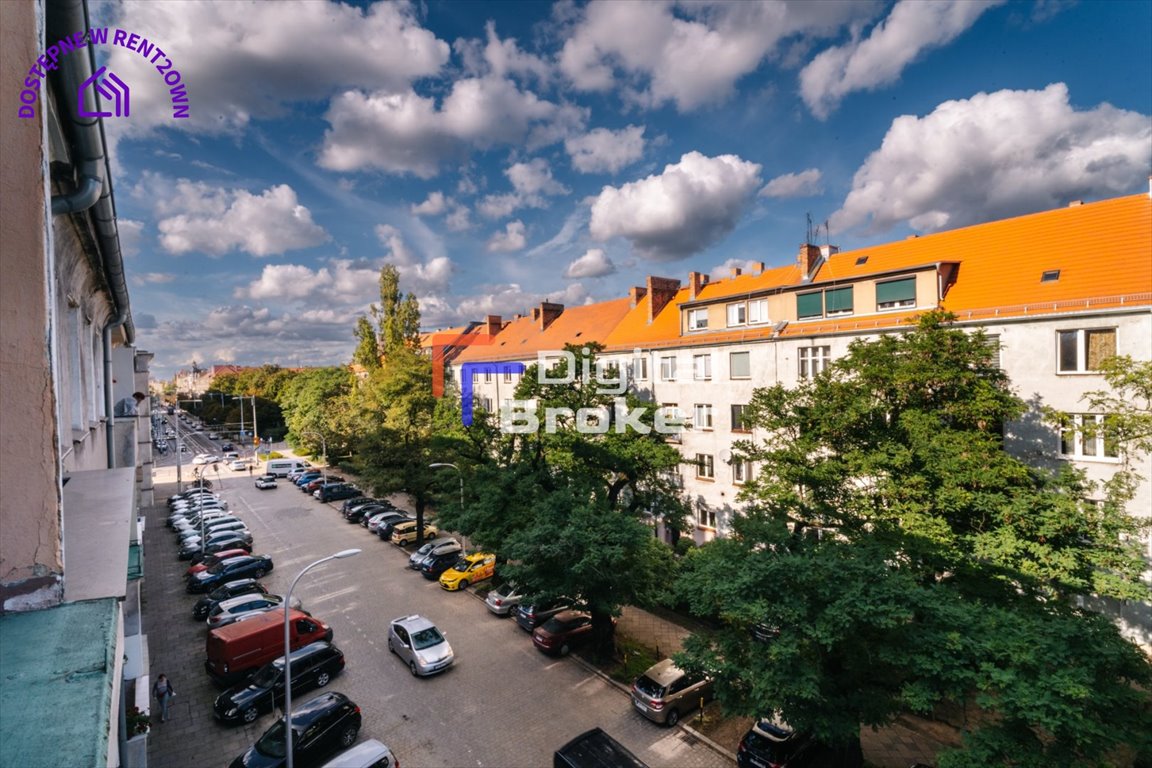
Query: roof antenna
(827, 234)
(810, 235)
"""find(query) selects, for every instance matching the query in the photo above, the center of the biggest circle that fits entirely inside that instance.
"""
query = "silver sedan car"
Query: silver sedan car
(417, 641)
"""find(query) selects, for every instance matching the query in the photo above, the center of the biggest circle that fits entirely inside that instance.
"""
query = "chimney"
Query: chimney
(535, 314)
(757, 267)
(661, 290)
(736, 271)
(546, 313)
(808, 260)
(696, 281)
(827, 251)
(1075, 203)
(635, 293)
(492, 324)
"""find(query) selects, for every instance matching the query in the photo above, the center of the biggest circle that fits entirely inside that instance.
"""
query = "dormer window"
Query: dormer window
(697, 319)
(737, 314)
(1050, 276)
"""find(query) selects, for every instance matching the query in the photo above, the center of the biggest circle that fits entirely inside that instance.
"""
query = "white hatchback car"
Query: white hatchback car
(235, 608)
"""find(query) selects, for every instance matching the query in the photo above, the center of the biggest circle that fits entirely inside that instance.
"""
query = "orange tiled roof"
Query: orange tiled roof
(522, 338)
(743, 285)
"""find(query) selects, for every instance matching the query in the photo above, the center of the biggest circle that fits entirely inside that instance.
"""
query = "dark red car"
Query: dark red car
(312, 485)
(564, 630)
(211, 560)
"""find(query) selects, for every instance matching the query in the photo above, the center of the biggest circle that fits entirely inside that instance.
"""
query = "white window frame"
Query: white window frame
(702, 416)
(640, 368)
(758, 311)
(812, 361)
(737, 314)
(672, 413)
(698, 319)
(668, 368)
(731, 374)
(744, 427)
(1086, 447)
(741, 472)
(1081, 349)
(702, 367)
(705, 466)
(706, 517)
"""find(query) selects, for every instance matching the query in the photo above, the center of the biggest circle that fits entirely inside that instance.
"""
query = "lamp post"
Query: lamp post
(288, 648)
(323, 444)
(438, 465)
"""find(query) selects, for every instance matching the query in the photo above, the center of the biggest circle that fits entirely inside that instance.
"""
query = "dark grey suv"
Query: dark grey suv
(313, 666)
(322, 725)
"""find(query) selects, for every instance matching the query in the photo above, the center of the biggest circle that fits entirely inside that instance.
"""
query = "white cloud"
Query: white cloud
(154, 278)
(511, 239)
(131, 236)
(688, 207)
(532, 182)
(248, 60)
(803, 184)
(405, 133)
(217, 221)
(689, 53)
(415, 276)
(503, 58)
(286, 281)
(724, 271)
(913, 26)
(505, 300)
(459, 220)
(499, 206)
(594, 263)
(997, 155)
(433, 206)
(604, 151)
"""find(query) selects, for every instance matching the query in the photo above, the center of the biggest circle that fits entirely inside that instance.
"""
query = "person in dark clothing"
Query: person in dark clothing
(163, 691)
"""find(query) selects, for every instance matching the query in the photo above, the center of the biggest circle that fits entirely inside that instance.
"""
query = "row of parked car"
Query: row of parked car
(244, 649)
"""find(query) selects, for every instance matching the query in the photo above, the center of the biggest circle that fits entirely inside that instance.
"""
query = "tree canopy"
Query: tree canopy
(900, 559)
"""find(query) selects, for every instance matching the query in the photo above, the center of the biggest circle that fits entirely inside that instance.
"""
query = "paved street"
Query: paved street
(503, 704)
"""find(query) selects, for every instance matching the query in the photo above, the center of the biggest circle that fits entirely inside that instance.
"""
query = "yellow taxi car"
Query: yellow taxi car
(468, 570)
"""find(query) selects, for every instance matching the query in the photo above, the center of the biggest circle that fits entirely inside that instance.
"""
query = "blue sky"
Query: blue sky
(505, 153)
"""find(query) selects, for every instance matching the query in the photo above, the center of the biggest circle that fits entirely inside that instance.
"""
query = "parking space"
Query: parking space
(502, 704)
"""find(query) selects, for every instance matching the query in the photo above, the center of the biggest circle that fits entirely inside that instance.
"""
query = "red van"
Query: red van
(239, 649)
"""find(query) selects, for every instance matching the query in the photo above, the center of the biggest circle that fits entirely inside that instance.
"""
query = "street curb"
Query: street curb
(628, 692)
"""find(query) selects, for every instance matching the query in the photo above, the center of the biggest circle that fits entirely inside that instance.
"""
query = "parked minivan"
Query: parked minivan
(237, 650)
(281, 467)
(595, 749)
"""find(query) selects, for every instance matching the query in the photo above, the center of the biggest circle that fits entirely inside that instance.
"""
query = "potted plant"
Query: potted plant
(138, 722)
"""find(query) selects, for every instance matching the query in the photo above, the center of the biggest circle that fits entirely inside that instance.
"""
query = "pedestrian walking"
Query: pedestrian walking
(164, 693)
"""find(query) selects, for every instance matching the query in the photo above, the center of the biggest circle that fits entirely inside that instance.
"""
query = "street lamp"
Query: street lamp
(323, 443)
(438, 465)
(288, 647)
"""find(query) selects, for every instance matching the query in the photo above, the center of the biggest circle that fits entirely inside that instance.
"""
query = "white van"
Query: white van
(281, 467)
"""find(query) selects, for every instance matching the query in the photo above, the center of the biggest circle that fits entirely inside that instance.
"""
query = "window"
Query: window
(1050, 276)
(1087, 435)
(739, 419)
(705, 516)
(813, 361)
(896, 293)
(737, 314)
(673, 419)
(810, 305)
(486, 404)
(508, 376)
(758, 311)
(739, 366)
(838, 301)
(702, 367)
(741, 472)
(668, 368)
(488, 376)
(697, 319)
(705, 466)
(703, 417)
(993, 342)
(1084, 350)
(640, 368)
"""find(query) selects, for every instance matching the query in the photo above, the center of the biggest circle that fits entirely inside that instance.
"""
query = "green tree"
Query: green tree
(571, 512)
(398, 316)
(312, 403)
(903, 559)
(367, 353)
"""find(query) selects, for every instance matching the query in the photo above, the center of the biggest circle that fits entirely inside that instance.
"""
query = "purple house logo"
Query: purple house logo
(113, 89)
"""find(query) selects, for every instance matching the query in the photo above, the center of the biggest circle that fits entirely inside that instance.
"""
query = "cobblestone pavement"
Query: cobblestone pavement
(503, 704)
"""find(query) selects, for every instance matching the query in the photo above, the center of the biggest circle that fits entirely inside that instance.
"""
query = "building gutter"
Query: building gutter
(93, 194)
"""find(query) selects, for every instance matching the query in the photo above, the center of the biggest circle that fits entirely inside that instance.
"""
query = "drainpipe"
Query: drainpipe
(93, 193)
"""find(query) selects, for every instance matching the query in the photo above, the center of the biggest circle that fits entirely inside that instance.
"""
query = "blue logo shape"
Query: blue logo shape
(467, 371)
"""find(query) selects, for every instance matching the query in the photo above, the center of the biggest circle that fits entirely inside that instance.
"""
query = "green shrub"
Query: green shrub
(275, 455)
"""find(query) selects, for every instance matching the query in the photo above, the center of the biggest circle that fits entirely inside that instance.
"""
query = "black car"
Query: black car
(226, 591)
(337, 491)
(434, 565)
(772, 742)
(528, 617)
(356, 514)
(388, 523)
(313, 666)
(254, 566)
(320, 726)
(356, 501)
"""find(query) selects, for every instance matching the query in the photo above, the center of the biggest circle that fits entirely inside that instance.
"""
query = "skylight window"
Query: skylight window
(861, 260)
(1050, 276)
